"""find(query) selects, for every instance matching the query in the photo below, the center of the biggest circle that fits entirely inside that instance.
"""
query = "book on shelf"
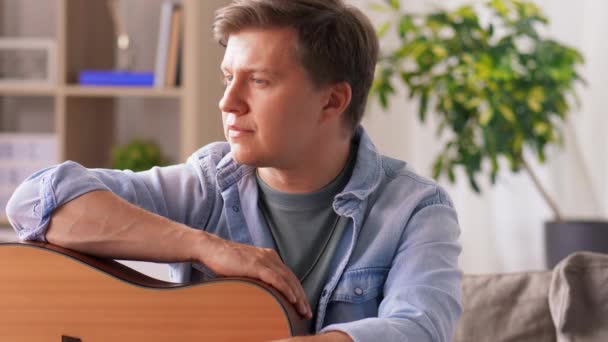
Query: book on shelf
(174, 47)
(22, 154)
(169, 45)
(116, 78)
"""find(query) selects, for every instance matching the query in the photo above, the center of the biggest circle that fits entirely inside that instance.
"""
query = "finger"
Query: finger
(269, 276)
(303, 304)
(272, 260)
(294, 283)
(278, 279)
(301, 300)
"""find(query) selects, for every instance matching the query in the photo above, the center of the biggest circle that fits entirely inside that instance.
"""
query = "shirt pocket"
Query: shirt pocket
(357, 295)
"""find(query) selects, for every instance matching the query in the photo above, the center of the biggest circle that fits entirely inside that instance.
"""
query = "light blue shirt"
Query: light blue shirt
(394, 275)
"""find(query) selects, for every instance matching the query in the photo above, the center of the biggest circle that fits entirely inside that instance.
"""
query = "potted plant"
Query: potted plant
(498, 88)
(137, 155)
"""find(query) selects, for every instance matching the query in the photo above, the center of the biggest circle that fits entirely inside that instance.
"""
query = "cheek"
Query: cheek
(224, 128)
(286, 116)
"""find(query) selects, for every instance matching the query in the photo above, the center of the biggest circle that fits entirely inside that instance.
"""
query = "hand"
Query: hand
(332, 336)
(227, 258)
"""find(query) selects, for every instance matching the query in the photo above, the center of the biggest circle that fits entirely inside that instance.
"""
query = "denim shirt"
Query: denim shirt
(394, 275)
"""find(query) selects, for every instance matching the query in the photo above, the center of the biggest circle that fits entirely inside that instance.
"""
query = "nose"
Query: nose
(233, 100)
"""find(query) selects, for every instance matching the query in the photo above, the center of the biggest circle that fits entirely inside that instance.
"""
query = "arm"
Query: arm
(143, 216)
(422, 291)
(173, 192)
(118, 229)
(56, 204)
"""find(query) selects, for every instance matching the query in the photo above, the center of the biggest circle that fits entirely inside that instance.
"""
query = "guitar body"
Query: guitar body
(48, 293)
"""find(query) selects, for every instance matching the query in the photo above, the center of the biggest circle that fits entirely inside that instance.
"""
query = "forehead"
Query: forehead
(261, 48)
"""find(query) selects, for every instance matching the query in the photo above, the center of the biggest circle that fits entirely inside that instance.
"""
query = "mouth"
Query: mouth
(236, 131)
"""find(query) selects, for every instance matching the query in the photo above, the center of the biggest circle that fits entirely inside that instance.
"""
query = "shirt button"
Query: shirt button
(324, 293)
(236, 208)
(358, 291)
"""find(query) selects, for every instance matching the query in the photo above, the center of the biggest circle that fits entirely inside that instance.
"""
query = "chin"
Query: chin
(244, 156)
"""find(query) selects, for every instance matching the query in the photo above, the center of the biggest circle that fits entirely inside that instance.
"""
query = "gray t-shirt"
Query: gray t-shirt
(306, 230)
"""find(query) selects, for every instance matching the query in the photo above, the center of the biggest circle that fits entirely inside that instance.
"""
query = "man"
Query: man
(298, 197)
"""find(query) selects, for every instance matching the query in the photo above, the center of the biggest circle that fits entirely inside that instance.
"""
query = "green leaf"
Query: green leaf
(541, 128)
(507, 113)
(518, 143)
(536, 97)
(500, 7)
(474, 184)
(379, 8)
(473, 103)
(451, 176)
(405, 77)
(424, 102)
(406, 24)
(383, 29)
(439, 51)
(447, 103)
(541, 155)
(383, 100)
(394, 4)
(534, 105)
(466, 12)
(437, 166)
(494, 171)
(486, 116)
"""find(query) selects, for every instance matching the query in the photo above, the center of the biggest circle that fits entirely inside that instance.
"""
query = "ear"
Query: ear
(338, 99)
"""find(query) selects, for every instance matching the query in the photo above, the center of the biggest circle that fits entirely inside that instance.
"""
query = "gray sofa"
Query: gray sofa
(567, 304)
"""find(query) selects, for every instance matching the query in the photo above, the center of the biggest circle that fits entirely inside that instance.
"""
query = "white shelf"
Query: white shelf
(148, 92)
(27, 89)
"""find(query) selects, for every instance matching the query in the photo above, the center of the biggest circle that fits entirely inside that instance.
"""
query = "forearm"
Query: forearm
(331, 336)
(101, 223)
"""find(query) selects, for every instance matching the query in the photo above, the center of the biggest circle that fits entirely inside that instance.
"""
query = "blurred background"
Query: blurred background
(48, 113)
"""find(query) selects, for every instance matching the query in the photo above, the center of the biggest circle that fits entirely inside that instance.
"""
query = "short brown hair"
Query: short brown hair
(336, 42)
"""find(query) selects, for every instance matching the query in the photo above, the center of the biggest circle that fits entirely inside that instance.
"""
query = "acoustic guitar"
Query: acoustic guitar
(49, 293)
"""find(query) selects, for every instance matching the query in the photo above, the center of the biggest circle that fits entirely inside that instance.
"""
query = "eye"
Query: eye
(258, 81)
(227, 79)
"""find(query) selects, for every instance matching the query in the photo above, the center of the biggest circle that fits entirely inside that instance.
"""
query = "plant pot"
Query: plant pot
(566, 237)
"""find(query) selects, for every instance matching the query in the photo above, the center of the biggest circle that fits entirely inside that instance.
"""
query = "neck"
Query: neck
(309, 174)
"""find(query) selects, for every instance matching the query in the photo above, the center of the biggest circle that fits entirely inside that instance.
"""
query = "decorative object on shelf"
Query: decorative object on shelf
(138, 155)
(27, 61)
(499, 88)
(124, 42)
(168, 50)
(124, 75)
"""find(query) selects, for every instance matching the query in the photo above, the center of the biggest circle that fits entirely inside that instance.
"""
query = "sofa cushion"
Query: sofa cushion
(578, 298)
(506, 307)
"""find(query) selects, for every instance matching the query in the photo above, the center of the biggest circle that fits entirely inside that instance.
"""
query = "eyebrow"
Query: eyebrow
(253, 70)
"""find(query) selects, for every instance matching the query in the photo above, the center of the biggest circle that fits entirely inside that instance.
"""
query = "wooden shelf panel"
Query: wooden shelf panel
(80, 91)
(27, 90)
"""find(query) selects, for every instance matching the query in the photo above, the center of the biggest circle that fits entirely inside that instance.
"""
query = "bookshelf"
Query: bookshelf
(84, 117)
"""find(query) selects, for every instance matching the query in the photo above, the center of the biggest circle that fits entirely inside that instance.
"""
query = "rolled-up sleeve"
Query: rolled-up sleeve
(173, 191)
(422, 292)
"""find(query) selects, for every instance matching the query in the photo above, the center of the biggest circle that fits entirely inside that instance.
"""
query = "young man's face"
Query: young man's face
(270, 109)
